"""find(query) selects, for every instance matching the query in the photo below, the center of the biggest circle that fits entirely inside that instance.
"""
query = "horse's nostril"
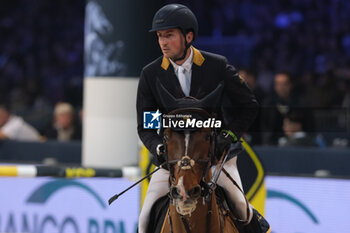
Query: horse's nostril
(175, 192)
(195, 192)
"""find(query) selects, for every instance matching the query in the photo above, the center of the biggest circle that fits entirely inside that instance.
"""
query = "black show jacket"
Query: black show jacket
(238, 106)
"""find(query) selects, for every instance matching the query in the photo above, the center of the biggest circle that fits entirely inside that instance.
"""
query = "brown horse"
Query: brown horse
(197, 205)
(193, 205)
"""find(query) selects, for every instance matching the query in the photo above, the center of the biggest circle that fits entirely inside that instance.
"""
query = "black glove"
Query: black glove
(160, 149)
(223, 142)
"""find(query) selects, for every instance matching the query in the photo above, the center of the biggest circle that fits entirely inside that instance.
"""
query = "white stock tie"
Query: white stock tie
(184, 82)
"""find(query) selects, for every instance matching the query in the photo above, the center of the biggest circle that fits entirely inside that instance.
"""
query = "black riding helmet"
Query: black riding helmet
(176, 16)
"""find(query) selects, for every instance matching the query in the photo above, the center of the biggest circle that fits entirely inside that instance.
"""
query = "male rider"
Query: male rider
(185, 71)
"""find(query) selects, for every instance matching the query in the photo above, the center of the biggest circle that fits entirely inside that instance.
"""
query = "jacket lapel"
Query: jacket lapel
(172, 82)
(195, 80)
(197, 73)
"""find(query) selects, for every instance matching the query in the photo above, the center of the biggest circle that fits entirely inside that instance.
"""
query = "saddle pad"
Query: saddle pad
(157, 215)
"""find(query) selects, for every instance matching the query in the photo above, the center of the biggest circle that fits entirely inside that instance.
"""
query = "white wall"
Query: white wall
(109, 134)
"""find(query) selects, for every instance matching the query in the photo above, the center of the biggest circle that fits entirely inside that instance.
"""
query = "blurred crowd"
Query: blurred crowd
(41, 57)
(64, 125)
(298, 63)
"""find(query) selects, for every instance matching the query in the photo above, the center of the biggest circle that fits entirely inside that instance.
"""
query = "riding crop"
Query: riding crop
(116, 196)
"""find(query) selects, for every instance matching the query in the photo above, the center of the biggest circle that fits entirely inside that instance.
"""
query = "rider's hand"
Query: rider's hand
(223, 143)
(160, 149)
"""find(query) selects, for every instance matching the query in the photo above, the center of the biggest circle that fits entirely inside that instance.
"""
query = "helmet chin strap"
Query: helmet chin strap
(187, 46)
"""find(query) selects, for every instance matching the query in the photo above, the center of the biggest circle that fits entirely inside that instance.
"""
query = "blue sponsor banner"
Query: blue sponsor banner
(43, 205)
(310, 205)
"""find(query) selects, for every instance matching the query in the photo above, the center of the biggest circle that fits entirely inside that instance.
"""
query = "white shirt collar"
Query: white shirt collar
(187, 65)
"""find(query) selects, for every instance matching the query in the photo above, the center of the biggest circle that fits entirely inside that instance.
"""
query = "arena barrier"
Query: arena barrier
(67, 172)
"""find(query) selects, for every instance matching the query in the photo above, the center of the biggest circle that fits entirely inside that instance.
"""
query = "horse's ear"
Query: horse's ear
(211, 101)
(166, 98)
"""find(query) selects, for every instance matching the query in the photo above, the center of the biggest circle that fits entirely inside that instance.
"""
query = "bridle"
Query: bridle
(187, 163)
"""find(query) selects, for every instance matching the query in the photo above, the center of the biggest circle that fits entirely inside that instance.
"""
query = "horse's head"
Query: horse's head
(189, 160)
(189, 149)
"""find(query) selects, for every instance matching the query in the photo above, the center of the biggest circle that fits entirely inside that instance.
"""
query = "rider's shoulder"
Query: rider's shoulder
(213, 57)
(217, 61)
(154, 65)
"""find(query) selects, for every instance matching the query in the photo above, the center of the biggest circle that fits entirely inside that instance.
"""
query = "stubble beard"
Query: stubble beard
(176, 56)
(173, 57)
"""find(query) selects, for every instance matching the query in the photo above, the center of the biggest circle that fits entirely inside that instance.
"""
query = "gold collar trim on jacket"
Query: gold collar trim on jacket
(198, 59)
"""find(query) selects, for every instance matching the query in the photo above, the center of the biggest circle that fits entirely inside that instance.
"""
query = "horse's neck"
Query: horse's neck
(198, 221)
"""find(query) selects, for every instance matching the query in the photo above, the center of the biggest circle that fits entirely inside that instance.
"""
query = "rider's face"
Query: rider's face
(171, 42)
